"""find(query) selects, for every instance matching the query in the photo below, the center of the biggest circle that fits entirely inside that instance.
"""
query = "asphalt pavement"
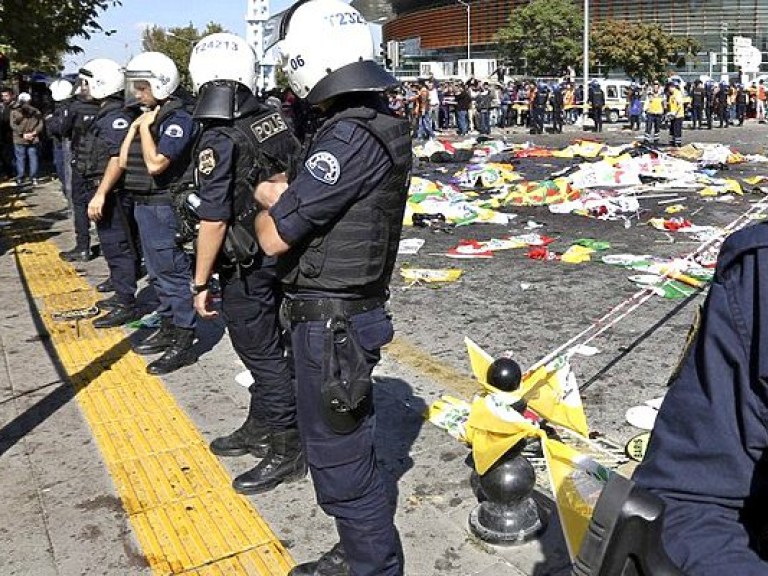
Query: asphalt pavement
(60, 510)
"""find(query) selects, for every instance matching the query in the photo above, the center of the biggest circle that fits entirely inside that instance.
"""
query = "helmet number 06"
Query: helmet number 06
(297, 62)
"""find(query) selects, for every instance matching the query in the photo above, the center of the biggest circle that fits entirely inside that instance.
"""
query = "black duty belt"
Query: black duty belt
(158, 199)
(329, 308)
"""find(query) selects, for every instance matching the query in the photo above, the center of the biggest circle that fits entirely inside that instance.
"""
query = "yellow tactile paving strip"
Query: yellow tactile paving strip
(186, 515)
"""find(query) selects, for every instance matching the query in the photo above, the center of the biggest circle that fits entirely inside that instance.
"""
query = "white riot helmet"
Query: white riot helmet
(343, 62)
(222, 56)
(105, 77)
(223, 70)
(158, 70)
(60, 90)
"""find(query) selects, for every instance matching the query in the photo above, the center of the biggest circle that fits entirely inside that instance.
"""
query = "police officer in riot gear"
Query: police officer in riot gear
(539, 108)
(596, 99)
(336, 228)
(697, 104)
(98, 153)
(156, 153)
(556, 102)
(81, 113)
(709, 102)
(243, 142)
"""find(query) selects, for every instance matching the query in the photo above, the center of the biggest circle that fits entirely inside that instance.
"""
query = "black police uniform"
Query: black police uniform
(343, 218)
(697, 106)
(709, 102)
(231, 157)
(117, 228)
(597, 102)
(556, 100)
(741, 104)
(81, 114)
(168, 266)
(707, 456)
(722, 106)
(538, 110)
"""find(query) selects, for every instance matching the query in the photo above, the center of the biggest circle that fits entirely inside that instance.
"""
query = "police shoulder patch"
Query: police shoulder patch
(206, 161)
(324, 166)
(174, 131)
(120, 124)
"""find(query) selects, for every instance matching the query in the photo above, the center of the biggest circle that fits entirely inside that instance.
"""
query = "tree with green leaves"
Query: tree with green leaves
(643, 51)
(177, 44)
(37, 34)
(543, 37)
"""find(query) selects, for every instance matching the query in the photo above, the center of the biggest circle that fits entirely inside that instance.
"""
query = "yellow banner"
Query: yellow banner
(577, 481)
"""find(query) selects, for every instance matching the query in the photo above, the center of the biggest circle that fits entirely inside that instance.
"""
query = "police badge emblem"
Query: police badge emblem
(206, 161)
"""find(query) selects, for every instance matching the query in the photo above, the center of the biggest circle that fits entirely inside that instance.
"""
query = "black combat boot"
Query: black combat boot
(332, 563)
(105, 286)
(284, 462)
(109, 303)
(159, 341)
(117, 316)
(77, 254)
(251, 438)
(178, 355)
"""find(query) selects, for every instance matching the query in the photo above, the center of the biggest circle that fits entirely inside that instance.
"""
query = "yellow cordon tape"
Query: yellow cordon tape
(185, 514)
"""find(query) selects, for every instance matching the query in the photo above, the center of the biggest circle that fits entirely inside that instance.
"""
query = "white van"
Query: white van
(615, 99)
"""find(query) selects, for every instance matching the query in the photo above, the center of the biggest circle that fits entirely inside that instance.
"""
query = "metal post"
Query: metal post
(469, 31)
(724, 48)
(469, 27)
(586, 61)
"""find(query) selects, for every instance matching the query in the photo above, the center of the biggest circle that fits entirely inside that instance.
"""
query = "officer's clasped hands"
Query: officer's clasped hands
(269, 191)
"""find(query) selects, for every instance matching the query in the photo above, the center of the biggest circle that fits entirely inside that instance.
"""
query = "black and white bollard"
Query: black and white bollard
(507, 513)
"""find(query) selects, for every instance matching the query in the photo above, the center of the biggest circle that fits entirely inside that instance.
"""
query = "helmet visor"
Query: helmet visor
(277, 25)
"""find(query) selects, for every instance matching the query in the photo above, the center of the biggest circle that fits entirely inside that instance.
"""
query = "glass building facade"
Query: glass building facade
(439, 28)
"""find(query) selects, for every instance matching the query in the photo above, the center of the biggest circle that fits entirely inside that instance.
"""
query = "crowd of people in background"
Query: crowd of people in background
(477, 107)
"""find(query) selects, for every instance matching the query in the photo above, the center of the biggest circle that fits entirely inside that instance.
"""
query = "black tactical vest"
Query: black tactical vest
(264, 146)
(137, 177)
(81, 114)
(597, 97)
(356, 253)
(93, 150)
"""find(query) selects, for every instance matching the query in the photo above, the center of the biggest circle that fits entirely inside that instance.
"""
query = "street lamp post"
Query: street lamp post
(468, 6)
(586, 61)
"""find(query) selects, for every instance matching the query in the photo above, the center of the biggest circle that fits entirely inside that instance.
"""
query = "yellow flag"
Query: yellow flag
(479, 360)
(552, 392)
(577, 481)
(494, 427)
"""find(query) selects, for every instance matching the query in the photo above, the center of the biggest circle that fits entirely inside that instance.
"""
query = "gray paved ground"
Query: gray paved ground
(58, 510)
